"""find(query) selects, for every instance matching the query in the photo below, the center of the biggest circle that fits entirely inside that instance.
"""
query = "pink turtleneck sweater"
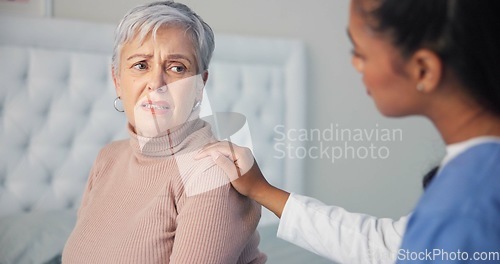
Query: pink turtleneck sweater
(148, 201)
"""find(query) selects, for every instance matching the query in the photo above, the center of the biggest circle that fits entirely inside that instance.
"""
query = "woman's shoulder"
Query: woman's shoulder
(476, 165)
(112, 149)
(115, 145)
(199, 176)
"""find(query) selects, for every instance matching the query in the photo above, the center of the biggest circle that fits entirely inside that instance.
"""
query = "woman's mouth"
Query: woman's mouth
(155, 107)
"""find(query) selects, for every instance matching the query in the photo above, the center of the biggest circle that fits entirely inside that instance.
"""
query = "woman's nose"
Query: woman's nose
(158, 81)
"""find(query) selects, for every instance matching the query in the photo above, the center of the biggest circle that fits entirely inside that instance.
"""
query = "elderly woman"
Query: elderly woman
(147, 200)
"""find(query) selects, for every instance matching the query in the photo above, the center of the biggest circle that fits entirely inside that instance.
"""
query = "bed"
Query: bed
(56, 112)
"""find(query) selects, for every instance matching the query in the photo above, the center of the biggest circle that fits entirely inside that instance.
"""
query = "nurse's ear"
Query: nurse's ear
(426, 69)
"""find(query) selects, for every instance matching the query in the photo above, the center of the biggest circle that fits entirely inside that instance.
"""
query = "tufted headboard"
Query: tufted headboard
(56, 106)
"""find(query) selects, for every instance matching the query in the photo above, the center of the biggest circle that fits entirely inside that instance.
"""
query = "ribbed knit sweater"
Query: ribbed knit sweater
(148, 201)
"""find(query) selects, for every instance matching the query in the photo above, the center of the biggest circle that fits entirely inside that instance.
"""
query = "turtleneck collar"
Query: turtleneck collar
(173, 142)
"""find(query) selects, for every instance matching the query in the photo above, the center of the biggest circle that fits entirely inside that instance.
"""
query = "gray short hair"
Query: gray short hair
(148, 18)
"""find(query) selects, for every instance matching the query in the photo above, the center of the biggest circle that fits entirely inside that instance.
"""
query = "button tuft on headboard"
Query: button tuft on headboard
(70, 204)
(49, 179)
(27, 208)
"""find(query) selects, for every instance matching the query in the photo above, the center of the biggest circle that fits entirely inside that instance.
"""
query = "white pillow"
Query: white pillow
(34, 237)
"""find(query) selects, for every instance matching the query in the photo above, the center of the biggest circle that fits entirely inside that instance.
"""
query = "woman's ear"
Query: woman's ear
(116, 81)
(426, 70)
(204, 76)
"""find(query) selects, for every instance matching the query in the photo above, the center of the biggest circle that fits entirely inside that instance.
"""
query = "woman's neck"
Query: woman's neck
(460, 123)
(170, 143)
(457, 115)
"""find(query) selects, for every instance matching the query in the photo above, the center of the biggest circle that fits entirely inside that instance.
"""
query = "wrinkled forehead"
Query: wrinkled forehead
(144, 34)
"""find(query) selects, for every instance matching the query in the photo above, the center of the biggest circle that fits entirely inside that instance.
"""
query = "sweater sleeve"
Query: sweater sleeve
(89, 184)
(99, 162)
(338, 235)
(215, 224)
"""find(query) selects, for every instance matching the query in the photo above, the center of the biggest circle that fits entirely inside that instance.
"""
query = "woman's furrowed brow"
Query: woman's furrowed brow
(145, 56)
(170, 57)
(178, 57)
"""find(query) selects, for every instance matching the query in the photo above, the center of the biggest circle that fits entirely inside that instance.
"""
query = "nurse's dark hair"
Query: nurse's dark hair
(463, 33)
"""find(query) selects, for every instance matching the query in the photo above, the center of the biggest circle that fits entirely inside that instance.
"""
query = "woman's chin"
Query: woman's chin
(394, 112)
(156, 129)
(152, 128)
(148, 125)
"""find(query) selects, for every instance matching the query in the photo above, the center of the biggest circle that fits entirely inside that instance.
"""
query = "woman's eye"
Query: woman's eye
(140, 66)
(356, 54)
(178, 69)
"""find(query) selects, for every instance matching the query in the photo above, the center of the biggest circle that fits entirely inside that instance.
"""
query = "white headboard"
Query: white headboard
(56, 106)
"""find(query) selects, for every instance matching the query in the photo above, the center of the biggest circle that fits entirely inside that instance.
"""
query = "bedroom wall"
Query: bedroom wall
(385, 183)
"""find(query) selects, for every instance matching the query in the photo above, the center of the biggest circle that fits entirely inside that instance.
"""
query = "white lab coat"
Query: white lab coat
(338, 235)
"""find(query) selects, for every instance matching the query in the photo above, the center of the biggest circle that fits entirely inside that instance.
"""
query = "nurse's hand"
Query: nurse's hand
(242, 170)
(239, 165)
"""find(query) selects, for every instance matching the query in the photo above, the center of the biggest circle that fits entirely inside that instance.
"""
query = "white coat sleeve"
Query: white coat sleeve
(338, 235)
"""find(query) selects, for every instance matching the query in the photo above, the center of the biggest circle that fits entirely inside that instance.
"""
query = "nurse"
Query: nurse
(433, 58)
